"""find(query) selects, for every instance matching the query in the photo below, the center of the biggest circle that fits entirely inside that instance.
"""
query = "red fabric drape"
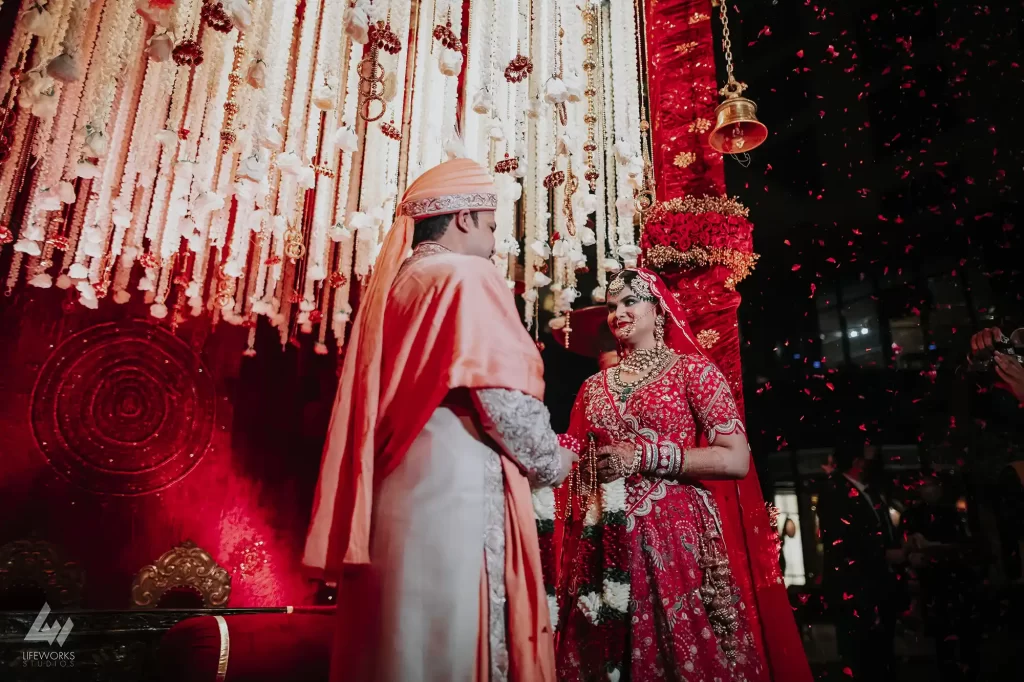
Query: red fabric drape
(683, 93)
(682, 87)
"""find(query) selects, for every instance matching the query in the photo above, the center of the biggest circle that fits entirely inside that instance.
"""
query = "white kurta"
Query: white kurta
(430, 521)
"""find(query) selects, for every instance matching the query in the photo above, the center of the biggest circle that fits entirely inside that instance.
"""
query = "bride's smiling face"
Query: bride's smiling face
(631, 318)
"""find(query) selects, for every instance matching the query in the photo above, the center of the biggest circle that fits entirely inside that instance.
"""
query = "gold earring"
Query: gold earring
(659, 330)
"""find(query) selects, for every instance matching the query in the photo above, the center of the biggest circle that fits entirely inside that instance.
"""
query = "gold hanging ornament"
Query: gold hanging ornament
(571, 185)
(371, 71)
(737, 129)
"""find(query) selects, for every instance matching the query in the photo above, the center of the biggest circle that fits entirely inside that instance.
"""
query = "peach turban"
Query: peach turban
(447, 188)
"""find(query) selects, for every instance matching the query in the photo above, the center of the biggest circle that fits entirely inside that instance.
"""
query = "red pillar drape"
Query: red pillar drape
(683, 95)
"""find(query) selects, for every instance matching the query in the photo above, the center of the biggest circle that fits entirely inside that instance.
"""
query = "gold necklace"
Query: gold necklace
(645, 362)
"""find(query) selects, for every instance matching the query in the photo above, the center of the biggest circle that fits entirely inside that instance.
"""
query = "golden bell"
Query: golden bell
(737, 129)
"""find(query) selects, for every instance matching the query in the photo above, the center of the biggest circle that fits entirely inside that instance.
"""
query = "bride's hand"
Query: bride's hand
(613, 459)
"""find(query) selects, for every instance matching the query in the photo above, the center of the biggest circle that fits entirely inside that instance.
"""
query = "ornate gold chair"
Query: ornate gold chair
(34, 572)
(183, 577)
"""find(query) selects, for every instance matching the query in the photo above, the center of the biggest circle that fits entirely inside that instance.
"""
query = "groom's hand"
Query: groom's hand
(568, 459)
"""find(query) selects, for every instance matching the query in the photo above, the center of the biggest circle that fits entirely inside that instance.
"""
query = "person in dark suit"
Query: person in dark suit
(864, 589)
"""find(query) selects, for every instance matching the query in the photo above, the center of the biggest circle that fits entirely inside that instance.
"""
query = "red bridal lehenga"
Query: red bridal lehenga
(647, 586)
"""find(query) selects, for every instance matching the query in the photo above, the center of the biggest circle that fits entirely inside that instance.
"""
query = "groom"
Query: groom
(423, 510)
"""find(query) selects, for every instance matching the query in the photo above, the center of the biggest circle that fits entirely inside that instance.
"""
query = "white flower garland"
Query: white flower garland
(111, 167)
(625, 82)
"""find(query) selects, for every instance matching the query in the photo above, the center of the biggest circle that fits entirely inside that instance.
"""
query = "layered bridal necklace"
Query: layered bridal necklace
(646, 363)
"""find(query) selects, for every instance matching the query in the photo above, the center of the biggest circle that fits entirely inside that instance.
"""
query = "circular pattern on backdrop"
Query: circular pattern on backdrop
(123, 408)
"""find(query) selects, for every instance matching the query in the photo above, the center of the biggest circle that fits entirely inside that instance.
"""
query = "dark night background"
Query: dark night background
(885, 198)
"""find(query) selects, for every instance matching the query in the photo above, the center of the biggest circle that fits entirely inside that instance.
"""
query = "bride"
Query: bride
(645, 588)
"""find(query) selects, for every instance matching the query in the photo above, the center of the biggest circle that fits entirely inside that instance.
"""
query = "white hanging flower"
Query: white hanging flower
(565, 144)
(252, 168)
(356, 21)
(145, 284)
(325, 97)
(339, 232)
(611, 265)
(160, 47)
(364, 224)
(233, 268)
(573, 89)
(590, 606)
(271, 139)
(64, 282)
(306, 177)
(623, 152)
(66, 192)
(47, 200)
(346, 139)
(261, 308)
(45, 106)
(495, 131)
(507, 246)
(535, 108)
(508, 189)
(589, 203)
(450, 63)
(122, 217)
(63, 68)
(540, 249)
(586, 236)
(629, 253)
(89, 300)
(626, 208)
(78, 271)
(568, 296)
(34, 232)
(256, 76)
(455, 147)
(28, 247)
(121, 297)
(540, 280)
(207, 202)
(289, 163)
(86, 170)
(599, 295)
(239, 13)
(38, 21)
(158, 310)
(166, 137)
(530, 296)
(560, 249)
(95, 142)
(482, 102)
(555, 91)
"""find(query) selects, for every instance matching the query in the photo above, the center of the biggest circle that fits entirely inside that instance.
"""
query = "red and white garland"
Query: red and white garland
(597, 575)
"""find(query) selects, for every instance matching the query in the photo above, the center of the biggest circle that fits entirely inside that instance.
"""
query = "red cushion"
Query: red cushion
(272, 647)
